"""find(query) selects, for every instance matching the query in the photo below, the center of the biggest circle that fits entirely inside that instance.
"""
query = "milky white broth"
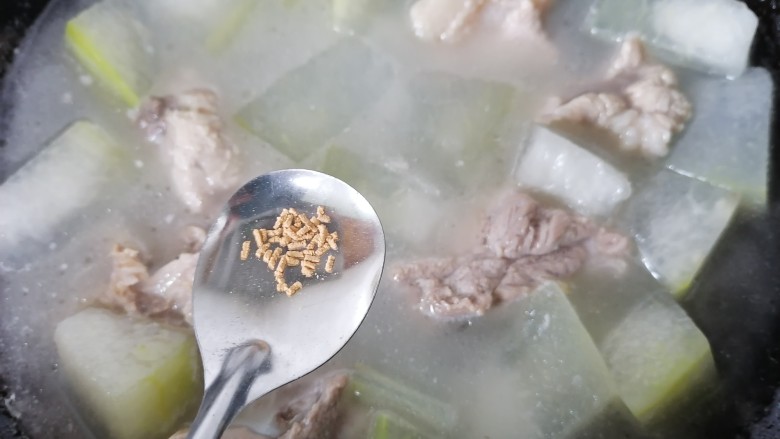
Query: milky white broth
(59, 273)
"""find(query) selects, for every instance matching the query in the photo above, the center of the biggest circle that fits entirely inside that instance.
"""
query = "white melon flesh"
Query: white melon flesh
(613, 19)
(555, 165)
(355, 16)
(713, 36)
(657, 356)
(727, 141)
(67, 176)
(552, 381)
(454, 127)
(392, 193)
(388, 425)
(444, 131)
(372, 389)
(229, 23)
(214, 22)
(136, 378)
(315, 102)
(677, 221)
(113, 46)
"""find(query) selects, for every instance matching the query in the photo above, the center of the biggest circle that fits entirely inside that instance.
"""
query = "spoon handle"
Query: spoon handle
(228, 393)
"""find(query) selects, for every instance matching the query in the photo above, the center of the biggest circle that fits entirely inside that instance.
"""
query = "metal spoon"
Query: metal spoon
(254, 339)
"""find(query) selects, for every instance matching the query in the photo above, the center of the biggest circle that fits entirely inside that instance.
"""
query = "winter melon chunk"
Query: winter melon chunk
(216, 22)
(677, 221)
(713, 36)
(455, 127)
(111, 44)
(658, 357)
(313, 103)
(388, 425)
(67, 175)
(392, 189)
(355, 16)
(728, 145)
(135, 378)
(377, 391)
(555, 165)
(550, 376)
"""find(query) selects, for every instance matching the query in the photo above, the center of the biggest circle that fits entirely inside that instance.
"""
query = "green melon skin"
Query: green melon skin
(111, 44)
(135, 378)
(658, 357)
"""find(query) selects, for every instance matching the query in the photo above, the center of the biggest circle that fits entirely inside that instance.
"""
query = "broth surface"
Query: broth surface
(62, 271)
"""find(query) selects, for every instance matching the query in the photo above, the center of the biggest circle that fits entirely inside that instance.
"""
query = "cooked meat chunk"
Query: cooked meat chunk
(517, 19)
(644, 113)
(453, 287)
(314, 414)
(128, 271)
(527, 273)
(189, 130)
(193, 237)
(450, 20)
(171, 286)
(524, 227)
(524, 245)
(167, 292)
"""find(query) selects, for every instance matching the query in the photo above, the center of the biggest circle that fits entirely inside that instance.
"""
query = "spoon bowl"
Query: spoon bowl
(254, 339)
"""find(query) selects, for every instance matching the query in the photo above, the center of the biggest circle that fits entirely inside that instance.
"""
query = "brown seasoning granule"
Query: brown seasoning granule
(298, 245)
(311, 258)
(295, 254)
(322, 250)
(292, 262)
(259, 241)
(291, 235)
(281, 266)
(294, 288)
(272, 261)
(295, 240)
(332, 238)
(330, 263)
(280, 219)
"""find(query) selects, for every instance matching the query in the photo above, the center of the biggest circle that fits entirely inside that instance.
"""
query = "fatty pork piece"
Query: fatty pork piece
(523, 245)
(314, 414)
(454, 287)
(189, 130)
(643, 107)
(168, 292)
(451, 20)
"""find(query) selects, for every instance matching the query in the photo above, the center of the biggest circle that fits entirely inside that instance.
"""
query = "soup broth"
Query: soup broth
(431, 133)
